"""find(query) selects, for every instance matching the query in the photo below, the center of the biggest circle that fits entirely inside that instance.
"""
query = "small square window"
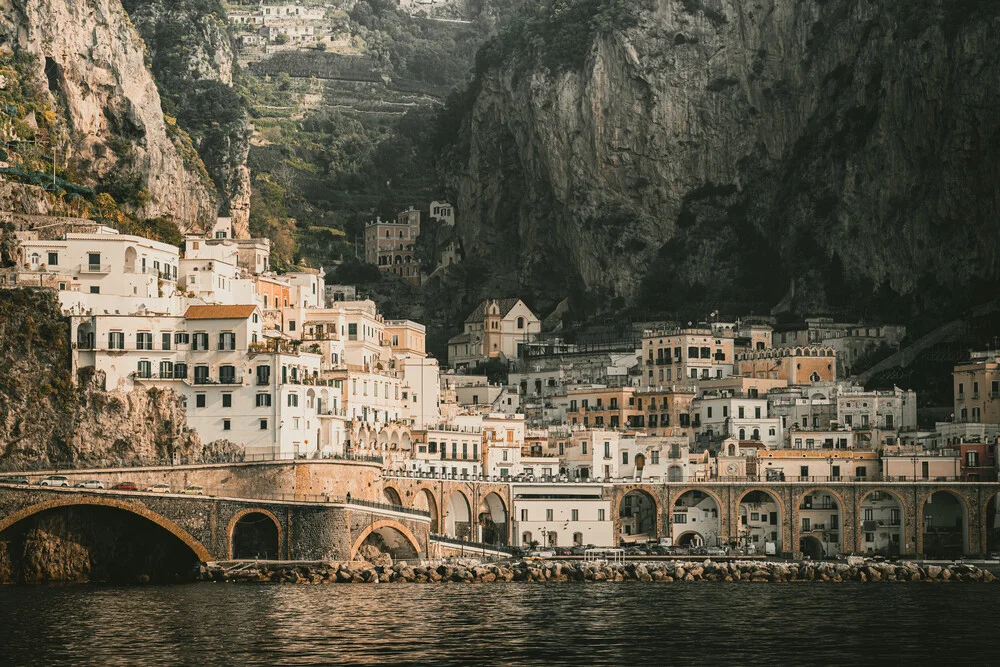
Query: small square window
(263, 424)
(94, 289)
(226, 424)
(199, 400)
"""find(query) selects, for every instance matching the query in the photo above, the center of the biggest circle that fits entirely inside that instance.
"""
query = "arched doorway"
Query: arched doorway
(882, 529)
(107, 542)
(424, 500)
(811, 546)
(256, 535)
(391, 496)
(637, 512)
(945, 525)
(821, 517)
(493, 519)
(696, 512)
(760, 523)
(458, 519)
(675, 474)
(640, 463)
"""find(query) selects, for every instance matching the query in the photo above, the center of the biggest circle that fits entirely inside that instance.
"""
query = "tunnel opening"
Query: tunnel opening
(386, 544)
(255, 535)
(93, 544)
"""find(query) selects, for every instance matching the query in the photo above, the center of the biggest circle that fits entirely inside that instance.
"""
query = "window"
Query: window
(263, 400)
(116, 340)
(291, 325)
(227, 374)
(181, 337)
(94, 261)
(263, 375)
(803, 471)
(504, 455)
(575, 515)
(624, 458)
(756, 413)
(741, 412)
(548, 515)
(201, 374)
(655, 457)
(293, 400)
(869, 514)
(144, 340)
(94, 289)
(681, 517)
(181, 371)
(352, 332)
(165, 341)
(972, 459)
(199, 400)
(583, 447)
(166, 370)
(600, 515)
(524, 515)
(607, 450)
(227, 400)
(226, 425)
(199, 341)
(53, 259)
(263, 424)
(145, 369)
(227, 340)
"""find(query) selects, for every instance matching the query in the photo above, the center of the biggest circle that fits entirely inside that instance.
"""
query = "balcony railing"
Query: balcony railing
(95, 268)
(222, 380)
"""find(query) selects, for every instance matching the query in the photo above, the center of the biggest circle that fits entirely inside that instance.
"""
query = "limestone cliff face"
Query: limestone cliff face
(853, 142)
(192, 60)
(91, 59)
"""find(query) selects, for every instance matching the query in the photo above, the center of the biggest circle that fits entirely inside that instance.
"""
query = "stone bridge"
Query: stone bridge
(932, 519)
(209, 528)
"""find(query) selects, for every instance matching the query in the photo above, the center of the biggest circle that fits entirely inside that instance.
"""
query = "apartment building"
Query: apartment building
(684, 356)
(977, 388)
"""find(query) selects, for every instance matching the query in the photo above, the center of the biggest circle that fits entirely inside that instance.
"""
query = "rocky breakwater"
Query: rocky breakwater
(473, 571)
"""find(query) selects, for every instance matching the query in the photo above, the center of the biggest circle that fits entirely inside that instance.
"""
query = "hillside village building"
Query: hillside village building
(497, 329)
(391, 245)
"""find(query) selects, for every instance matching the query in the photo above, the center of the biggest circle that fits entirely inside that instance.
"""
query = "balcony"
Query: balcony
(95, 268)
(236, 379)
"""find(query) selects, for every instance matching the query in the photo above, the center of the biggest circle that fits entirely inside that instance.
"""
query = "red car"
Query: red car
(125, 486)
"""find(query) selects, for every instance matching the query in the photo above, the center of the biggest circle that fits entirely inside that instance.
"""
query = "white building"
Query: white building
(560, 515)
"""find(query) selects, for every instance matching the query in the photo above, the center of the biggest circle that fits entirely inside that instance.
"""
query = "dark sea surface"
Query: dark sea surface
(502, 624)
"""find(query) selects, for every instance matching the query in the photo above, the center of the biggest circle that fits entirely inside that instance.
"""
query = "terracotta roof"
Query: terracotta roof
(479, 314)
(219, 312)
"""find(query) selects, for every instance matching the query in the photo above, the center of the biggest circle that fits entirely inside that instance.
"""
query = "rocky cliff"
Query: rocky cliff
(46, 418)
(192, 60)
(90, 59)
(721, 150)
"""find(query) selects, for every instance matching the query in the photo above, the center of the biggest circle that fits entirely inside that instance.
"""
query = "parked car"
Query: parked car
(125, 486)
(17, 479)
(90, 484)
(578, 551)
(54, 480)
(194, 491)
(159, 488)
(541, 554)
(716, 551)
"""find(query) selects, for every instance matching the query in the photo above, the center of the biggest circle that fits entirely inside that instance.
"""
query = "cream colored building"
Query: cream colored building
(496, 329)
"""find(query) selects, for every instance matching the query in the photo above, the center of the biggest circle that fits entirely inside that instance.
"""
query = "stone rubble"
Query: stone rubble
(473, 571)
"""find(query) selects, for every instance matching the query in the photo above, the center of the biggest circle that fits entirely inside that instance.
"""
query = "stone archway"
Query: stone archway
(389, 537)
(199, 550)
(83, 539)
(493, 519)
(944, 524)
(697, 511)
(689, 538)
(424, 500)
(811, 546)
(392, 496)
(882, 523)
(760, 517)
(991, 524)
(821, 515)
(458, 516)
(637, 513)
(254, 534)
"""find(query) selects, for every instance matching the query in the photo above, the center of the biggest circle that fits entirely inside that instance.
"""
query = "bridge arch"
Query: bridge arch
(697, 510)
(253, 526)
(944, 526)
(399, 540)
(391, 495)
(493, 519)
(458, 515)
(759, 519)
(638, 513)
(881, 516)
(134, 508)
(424, 499)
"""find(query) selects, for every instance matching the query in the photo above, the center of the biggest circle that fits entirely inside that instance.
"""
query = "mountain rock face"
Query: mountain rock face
(192, 60)
(91, 60)
(725, 149)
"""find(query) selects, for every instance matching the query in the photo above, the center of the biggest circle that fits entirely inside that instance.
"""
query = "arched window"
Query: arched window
(520, 323)
(578, 539)
(743, 434)
(756, 434)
